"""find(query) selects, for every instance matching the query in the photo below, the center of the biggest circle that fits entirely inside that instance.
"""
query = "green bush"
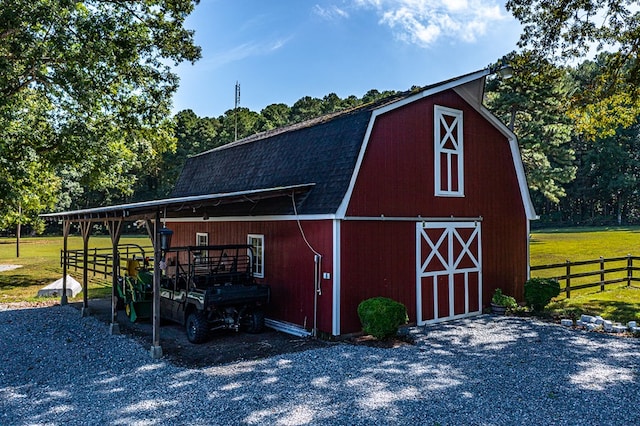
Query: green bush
(502, 299)
(381, 316)
(538, 292)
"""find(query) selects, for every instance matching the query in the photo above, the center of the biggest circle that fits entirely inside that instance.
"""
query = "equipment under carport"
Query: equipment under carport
(135, 290)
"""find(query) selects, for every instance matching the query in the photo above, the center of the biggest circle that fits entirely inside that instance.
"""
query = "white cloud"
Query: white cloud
(423, 22)
(330, 13)
(246, 50)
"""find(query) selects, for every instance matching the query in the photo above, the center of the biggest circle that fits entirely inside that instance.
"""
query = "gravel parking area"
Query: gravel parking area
(59, 369)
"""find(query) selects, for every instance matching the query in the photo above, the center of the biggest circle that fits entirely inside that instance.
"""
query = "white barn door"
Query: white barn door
(448, 271)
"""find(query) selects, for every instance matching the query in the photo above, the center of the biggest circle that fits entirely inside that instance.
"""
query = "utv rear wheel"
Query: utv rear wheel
(255, 323)
(197, 327)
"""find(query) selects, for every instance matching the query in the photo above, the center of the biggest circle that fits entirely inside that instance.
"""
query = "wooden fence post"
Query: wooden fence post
(601, 273)
(568, 279)
(629, 270)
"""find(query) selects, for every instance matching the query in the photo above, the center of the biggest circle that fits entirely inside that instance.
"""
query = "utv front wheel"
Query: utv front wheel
(255, 323)
(197, 327)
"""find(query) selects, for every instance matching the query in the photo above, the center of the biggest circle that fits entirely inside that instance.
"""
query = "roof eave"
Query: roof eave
(146, 209)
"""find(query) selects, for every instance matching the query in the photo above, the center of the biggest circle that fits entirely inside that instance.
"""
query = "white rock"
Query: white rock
(631, 324)
(593, 327)
(566, 322)
(608, 326)
(587, 318)
(619, 328)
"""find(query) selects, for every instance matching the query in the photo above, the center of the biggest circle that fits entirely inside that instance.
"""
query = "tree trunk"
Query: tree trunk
(18, 230)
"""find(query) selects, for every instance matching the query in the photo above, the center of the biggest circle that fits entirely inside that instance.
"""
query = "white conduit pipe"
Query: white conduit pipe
(317, 271)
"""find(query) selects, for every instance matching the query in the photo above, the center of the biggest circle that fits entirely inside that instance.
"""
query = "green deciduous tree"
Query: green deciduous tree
(193, 136)
(572, 29)
(94, 78)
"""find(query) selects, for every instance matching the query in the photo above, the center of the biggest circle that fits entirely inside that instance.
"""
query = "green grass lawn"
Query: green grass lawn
(40, 257)
(618, 302)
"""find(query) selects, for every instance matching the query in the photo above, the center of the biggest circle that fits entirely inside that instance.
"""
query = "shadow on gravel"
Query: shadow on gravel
(483, 371)
(223, 347)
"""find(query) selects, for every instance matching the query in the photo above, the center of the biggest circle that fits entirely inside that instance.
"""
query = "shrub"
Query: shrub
(502, 299)
(538, 292)
(381, 316)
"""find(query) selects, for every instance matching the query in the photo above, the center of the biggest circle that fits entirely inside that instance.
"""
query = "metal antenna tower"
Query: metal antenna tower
(236, 107)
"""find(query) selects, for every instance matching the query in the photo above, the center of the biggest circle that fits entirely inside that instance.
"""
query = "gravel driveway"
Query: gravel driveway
(59, 369)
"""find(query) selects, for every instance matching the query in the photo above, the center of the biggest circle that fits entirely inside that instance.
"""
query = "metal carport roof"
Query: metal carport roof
(240, 202)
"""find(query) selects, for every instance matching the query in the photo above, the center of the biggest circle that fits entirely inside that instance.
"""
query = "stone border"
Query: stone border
(597, 323)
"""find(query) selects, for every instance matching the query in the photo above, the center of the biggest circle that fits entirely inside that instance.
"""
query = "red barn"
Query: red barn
(421, 198)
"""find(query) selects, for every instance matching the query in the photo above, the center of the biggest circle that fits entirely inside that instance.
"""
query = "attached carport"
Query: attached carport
(243, 203)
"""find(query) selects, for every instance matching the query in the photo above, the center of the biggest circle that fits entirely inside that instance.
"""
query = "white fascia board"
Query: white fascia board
(335, 314)
(433, 90)
(272, 218)
(342, 210)
(515, 151)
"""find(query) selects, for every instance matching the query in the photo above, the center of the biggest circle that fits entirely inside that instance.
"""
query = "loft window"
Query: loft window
(257, 243)
(449, 152)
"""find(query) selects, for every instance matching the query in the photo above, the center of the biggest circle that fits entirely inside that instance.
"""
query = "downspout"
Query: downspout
(317, 270)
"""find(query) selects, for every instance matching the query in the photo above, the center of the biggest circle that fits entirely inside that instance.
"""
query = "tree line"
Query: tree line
(577, 174)
(86, 89)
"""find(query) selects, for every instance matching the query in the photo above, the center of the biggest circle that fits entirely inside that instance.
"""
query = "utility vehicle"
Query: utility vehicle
(204, 288)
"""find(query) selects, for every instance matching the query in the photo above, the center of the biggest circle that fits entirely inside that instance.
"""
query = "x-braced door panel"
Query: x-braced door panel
(449, 270)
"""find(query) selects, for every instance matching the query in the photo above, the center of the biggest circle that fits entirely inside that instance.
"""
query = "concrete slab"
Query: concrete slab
(4, 268)
(55, 288)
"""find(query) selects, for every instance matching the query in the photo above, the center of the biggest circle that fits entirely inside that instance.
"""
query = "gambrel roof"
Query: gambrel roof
(322, 151)
(315, 161)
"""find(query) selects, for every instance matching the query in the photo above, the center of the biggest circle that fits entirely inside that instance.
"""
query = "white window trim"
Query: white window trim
(443, 189)
(202, 234)
(203, 253)
(250, 239)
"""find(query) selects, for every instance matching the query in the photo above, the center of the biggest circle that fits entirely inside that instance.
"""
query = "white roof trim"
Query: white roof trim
(267, 218)
(124, 208)
(342, 210)
(475, 103)
(433, 90)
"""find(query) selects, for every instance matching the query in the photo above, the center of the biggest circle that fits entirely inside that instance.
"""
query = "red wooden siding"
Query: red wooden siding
(289, 263)
(397, 179)
(377, 259)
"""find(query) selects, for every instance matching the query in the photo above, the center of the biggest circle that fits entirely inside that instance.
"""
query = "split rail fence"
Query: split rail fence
(100, 261)
(590, 273)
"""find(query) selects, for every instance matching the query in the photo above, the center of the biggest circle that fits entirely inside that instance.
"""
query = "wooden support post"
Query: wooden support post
(629, 270)
(156, 349)
(601, 273)
(115, 231)
(66, 227)
(85, 228)
(568, 279)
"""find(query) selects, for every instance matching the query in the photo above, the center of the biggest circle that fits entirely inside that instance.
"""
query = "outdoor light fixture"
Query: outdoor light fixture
(165, 238)
(505, 71)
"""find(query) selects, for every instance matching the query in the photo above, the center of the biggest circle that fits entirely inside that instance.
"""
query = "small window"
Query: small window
(448, 152)
(257, 242)
(202, 239)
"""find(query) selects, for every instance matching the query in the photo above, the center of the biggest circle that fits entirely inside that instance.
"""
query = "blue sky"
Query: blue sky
(282, 50)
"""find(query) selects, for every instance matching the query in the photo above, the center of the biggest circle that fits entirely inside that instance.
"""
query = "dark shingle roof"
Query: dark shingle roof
(321, 151)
